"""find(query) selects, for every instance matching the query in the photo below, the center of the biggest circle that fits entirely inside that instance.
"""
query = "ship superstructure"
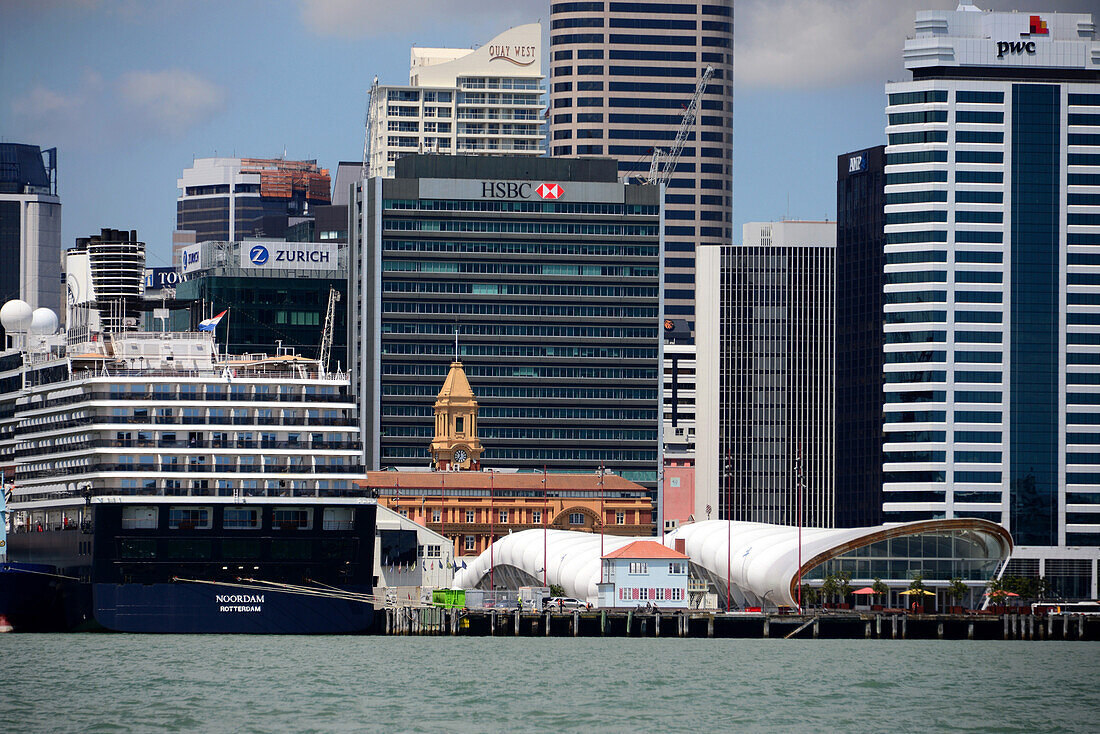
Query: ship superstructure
(162, 486)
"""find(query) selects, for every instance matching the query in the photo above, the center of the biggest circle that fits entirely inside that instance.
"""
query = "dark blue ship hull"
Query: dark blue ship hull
(215, 609)
(35, 598)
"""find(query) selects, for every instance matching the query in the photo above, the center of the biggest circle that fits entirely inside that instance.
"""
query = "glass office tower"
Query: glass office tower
(543, 276)
(992, 284)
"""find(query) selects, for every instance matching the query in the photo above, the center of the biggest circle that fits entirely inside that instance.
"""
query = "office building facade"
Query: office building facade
(544, 276)
(276, 294)
(461, 101)
(30, 227)
(621, 77)
(765, 385)
(860, 265)
(229, 199)
(992, 354)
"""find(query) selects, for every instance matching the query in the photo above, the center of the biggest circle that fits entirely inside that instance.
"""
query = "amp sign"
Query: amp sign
(857, 163)
(288, 256)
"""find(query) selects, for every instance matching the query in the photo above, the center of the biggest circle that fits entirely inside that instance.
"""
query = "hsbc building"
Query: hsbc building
(548, 270)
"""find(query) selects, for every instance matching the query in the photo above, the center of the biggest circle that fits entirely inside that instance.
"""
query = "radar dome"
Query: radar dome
(16, 315)
(43, 322)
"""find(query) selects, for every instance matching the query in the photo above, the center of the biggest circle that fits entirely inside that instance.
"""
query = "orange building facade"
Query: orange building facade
(473, 508)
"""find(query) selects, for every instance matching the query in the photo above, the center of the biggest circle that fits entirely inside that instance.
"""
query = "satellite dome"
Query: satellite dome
(16, 315)
(43, 322)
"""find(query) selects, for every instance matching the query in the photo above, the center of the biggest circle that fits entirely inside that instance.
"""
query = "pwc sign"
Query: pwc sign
(1036, 26)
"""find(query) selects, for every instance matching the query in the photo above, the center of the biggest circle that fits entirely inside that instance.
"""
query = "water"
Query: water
(111, 682)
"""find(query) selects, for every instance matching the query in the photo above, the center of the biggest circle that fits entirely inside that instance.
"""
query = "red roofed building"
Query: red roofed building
(644, 573)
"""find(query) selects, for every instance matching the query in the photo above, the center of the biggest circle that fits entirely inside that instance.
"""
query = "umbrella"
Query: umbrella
(916, 592)
(865, 590)
(1000, 593)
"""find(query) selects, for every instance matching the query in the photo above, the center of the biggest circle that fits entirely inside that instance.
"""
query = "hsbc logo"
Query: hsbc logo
(550, 191)
(518, 190)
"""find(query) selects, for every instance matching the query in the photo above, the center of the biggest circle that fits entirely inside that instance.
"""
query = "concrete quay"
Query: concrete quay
(630, 623)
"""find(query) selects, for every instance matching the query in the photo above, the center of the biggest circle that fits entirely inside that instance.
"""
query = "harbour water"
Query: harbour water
(113, 682)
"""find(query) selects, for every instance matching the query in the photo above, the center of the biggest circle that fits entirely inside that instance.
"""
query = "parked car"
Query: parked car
(564, 602)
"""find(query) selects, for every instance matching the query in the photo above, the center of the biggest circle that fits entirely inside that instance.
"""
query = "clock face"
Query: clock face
(460, 456)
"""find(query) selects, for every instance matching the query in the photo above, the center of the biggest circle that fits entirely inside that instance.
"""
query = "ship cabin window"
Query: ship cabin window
(241, 518)
(189, 518)
(339, 518)
(139, 517)
(291, 518)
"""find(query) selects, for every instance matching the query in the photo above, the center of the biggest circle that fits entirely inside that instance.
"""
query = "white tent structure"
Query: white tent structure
(761, 561)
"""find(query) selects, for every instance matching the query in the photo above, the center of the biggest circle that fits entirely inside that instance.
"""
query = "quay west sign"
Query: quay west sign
(518, 55)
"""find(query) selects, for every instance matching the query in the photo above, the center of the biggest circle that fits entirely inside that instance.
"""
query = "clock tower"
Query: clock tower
(456, 445)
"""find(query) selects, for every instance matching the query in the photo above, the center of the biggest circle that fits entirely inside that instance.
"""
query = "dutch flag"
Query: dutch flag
(211, 323)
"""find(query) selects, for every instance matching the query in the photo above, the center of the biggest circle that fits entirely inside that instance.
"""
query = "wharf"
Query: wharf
(832, 625)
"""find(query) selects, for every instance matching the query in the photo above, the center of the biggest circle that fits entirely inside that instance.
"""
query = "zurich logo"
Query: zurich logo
(258, 255)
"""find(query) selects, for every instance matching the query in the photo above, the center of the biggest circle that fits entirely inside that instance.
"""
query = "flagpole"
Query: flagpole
(492, 534)
(443, 513)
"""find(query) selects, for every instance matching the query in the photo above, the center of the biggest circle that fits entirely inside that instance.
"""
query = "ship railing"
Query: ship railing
(182, 468)
(189, 444)
(32, 404)
(84, 496)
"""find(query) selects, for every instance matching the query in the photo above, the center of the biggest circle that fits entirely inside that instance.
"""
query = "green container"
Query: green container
(449, 598)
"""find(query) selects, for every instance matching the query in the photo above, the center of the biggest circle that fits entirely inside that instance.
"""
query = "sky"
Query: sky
(130, 91)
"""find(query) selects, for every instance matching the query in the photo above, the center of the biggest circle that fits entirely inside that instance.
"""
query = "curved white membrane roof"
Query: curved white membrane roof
(761, 560)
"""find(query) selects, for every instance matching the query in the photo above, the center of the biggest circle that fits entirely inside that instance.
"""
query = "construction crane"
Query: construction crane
(662, 173)
(330, 325)
(367, 130)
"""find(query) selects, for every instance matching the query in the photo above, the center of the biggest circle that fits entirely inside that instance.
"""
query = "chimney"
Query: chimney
(680, 546)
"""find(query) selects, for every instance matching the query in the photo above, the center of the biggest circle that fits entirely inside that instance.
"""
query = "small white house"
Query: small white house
(409, 559)
(644, 572)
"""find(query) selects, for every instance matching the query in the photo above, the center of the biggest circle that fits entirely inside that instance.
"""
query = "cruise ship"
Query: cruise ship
(160, 486)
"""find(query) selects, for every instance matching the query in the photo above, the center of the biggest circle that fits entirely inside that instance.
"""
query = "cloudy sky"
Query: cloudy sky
(129, 91)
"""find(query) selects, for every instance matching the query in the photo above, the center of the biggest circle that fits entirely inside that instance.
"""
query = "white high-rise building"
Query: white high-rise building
(765, 339)
(462, 101)
(992, 315)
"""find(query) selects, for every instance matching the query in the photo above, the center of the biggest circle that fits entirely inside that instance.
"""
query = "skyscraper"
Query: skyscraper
(462, 101)
(30, 227)
(228, 199)
(993, 284)
(860, 263)
(765, 342)
(543, 275)
(621, 76)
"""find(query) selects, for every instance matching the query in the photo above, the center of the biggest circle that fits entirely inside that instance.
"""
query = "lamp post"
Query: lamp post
(545, 510)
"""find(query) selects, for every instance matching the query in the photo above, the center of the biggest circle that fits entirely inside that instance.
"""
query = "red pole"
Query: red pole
(603, 521)
(545, 511)
(443, 514)
(729, 536)
(492, 535)
(799, 479)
